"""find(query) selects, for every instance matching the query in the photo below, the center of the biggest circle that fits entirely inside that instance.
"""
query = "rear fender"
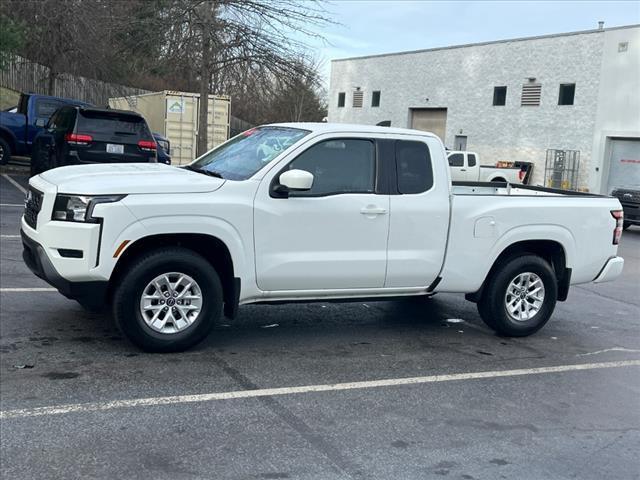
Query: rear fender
(457, 279)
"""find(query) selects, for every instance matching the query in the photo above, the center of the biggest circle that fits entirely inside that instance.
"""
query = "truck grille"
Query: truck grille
(626, 195)
(32, 206)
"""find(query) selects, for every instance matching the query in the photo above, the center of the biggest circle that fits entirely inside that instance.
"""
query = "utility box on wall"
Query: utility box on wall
(175, 115)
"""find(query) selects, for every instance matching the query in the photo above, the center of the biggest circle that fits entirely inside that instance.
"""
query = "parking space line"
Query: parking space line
(20, 289)
(14, 183)
(11, 205)
(270, 392)
(9, 236)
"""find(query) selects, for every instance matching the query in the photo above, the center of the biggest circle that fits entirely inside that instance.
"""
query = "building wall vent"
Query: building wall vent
(531, 94)
(358, 97)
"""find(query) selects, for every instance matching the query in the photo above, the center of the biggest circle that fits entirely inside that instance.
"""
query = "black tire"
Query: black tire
(126, 299)
(492, 305)
(41, 160)
(626, 225)
(35, 165)
(5, 152)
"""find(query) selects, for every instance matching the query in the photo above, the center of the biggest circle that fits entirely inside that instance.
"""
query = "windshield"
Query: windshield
(245, 154)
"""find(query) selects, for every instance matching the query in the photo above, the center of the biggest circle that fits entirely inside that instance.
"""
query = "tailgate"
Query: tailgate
(114, 137)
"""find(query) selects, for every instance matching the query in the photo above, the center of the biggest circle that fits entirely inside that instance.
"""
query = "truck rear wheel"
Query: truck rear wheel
(168, 301)
(519, 297)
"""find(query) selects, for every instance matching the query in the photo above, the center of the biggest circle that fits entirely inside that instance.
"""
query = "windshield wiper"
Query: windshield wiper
(211, 173)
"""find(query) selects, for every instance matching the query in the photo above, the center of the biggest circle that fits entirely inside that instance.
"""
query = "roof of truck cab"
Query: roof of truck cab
(349, 128)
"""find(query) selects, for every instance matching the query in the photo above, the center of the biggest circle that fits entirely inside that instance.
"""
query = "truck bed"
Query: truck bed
(488, 217)
(506, 188)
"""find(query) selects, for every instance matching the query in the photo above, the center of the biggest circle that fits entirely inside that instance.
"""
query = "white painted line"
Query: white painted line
(14, 183)
(614, 349)
(12, 290)
(11, 205)
(269, 392)
(9, 236)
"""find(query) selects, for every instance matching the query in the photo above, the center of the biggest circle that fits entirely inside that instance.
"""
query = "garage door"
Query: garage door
(624, 166)
(430, 120)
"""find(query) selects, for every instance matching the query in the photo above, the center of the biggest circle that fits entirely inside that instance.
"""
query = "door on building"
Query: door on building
(624, 163)
(432, 120)
(460, 143)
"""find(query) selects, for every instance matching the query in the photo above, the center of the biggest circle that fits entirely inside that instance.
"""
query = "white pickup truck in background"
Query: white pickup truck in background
(465, 167)
(309, 212)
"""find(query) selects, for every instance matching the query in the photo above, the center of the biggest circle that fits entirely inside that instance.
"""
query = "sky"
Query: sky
(367, 27)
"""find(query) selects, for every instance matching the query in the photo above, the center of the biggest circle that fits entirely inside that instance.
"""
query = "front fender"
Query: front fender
(134, 230)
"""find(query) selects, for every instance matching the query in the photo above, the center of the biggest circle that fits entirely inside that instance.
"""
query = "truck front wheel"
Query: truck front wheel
(5, 152)
(519, 297)
(168, 300)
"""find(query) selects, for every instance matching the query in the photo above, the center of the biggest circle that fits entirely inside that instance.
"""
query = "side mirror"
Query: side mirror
(296, 180)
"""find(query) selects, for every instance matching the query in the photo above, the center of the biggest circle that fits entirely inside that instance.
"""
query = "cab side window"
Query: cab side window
(456, 160)
(45, 108)
(413, 167)
(338, 166)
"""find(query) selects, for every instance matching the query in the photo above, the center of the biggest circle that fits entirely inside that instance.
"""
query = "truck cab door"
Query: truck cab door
(332, 236)
(458, 166)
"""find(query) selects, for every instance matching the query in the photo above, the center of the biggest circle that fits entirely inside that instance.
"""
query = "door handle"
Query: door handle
(373, 210)
(463, 169)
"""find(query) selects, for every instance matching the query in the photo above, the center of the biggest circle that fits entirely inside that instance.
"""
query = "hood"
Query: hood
(129, 178)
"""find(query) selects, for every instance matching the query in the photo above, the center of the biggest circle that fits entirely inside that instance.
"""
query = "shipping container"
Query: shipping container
(175, 115)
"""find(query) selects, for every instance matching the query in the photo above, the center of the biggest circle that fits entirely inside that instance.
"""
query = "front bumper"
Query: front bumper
(612, 270)
(91, 295)
(631, 213)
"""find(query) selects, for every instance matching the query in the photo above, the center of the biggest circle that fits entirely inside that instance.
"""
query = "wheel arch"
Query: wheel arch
(497, 178)
(551, 250)
(212, 248)
(10, 138)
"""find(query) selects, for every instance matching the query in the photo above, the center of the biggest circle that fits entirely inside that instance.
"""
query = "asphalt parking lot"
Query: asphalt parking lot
(258, 399)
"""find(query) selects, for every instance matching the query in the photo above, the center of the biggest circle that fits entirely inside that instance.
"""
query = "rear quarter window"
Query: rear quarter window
(108, 123)
(413, 167)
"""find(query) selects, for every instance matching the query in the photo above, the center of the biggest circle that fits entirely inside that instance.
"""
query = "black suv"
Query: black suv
(77, 135)
(630, 200)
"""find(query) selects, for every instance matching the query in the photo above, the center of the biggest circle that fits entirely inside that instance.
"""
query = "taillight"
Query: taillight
(147, 145)
(78, 139)
(617, 232)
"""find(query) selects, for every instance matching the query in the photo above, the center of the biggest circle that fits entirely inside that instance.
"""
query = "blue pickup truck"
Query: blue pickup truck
(18, 129)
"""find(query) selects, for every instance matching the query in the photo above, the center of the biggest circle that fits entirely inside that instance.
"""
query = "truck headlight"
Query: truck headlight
(79, 208)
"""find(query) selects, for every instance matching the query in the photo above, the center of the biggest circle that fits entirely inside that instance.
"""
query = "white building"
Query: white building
(511, 100)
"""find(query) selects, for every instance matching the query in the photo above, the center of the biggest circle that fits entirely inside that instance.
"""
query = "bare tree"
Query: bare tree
(248, 48)
(258, 39)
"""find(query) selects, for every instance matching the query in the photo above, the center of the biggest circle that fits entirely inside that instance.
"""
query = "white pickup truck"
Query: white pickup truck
(309, 212)
(465, 167)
